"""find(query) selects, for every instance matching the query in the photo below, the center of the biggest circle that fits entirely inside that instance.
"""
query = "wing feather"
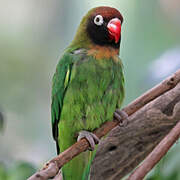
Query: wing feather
(60, 84)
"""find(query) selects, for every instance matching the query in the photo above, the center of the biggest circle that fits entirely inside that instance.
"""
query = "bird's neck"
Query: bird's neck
(103, 52)
(82, 41)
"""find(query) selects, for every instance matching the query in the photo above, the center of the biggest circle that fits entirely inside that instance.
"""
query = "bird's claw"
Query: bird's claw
(91, 138)
(122, 117)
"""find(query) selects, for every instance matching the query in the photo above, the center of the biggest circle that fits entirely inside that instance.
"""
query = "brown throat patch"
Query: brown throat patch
(99, 52)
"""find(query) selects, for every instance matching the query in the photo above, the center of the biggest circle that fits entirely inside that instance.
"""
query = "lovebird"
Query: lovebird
(88, 86)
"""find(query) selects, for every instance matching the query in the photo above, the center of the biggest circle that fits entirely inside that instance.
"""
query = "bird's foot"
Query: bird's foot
(91, 138)
(122, 117)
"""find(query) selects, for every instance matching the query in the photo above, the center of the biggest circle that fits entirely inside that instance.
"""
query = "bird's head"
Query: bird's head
(100, 26)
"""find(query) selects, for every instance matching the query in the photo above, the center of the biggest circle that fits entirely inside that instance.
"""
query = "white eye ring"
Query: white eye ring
(98, 20)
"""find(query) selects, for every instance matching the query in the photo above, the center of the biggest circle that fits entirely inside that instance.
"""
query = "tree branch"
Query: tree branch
(83, 145)
(132, 143)
(155, 156)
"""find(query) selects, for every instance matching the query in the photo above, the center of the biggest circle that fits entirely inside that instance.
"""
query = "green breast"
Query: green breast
(95, 90)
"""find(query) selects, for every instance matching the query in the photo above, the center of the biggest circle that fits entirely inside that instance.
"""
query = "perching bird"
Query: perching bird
(88, 86)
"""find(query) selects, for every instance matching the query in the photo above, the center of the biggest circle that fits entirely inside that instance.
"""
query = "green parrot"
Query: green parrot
(88, 86)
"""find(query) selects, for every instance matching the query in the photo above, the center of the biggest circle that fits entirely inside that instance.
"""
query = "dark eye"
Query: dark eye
(98, 20)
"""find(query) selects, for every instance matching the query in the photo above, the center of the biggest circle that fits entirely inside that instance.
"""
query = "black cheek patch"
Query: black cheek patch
(100, 35)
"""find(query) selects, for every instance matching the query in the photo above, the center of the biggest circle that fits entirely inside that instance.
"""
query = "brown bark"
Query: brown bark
(83, 145)
(125, 147)
(155, 156)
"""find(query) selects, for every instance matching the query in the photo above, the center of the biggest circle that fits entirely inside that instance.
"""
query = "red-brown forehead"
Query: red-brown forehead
(108, 12)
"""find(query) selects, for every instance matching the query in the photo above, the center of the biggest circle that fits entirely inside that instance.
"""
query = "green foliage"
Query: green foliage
(3, 172)
(174, 175)
(19, 171)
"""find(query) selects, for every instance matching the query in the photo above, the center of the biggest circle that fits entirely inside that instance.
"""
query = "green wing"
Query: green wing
(60, 84)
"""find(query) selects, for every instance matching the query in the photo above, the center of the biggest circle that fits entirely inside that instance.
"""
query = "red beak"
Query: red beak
(114, 28)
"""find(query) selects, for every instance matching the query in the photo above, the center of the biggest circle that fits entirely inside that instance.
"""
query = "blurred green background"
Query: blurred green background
(32, 36)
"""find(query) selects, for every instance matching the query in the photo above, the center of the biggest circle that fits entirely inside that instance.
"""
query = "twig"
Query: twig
(83, 144)
(155, 156)
(51, 170)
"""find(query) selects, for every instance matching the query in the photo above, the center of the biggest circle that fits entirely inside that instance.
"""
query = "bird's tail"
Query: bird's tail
(86, 175)
(79, 167)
